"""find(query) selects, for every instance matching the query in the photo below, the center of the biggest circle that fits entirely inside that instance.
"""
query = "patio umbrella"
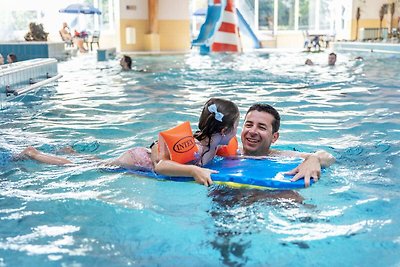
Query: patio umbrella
(80, 9)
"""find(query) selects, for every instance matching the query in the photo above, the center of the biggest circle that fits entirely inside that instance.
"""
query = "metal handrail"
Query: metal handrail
(36, 85)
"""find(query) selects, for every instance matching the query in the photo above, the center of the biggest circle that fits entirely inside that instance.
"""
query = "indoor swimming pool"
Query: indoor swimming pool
(79, 215)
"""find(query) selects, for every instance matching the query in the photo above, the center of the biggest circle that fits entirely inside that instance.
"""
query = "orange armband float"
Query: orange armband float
(230, 149)
(180, 143)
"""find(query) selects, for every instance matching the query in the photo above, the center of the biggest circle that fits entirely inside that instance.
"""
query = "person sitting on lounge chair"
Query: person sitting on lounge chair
(67, 37)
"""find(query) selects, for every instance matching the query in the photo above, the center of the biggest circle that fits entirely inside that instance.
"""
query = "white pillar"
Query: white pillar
(296, 15)
(317, 7)
(275, 17)
(96, 17)
(256, 14)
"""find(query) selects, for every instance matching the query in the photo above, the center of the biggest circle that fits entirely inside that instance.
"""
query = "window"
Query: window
(21, 19)
(107, 14)
(311, 14)
(105, 21)
(306, 11)
(325, 14)
(286, 14)
(266, 15)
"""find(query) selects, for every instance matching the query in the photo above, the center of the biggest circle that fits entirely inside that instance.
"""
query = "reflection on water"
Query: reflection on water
(78, 214)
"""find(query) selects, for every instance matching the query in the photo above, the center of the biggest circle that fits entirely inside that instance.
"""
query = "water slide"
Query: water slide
(211, 25)
(208, 29)
(245, 28)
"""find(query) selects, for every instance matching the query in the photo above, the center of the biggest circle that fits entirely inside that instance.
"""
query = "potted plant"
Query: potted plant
(381, 15)
(391, 18)
(358, 15)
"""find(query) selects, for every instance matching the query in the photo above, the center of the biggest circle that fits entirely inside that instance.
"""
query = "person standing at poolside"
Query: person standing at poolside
(1, 59)
(261, 129)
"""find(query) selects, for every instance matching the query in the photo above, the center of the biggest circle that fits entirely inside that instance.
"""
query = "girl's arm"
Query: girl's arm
(163, 165)
(172, 168)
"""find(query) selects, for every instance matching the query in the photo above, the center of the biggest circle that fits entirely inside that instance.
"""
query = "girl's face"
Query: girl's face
(230, 133)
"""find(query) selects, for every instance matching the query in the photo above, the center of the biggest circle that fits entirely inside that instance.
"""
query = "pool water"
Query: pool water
(79, 215)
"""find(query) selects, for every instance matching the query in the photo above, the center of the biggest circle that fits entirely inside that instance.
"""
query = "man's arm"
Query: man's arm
(325, 159)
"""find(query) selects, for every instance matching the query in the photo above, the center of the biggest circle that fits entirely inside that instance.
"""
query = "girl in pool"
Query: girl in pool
(218, 124)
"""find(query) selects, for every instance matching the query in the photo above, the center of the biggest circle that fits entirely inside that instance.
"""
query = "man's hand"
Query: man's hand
(202, 175)
(309, 168)
(325, 158)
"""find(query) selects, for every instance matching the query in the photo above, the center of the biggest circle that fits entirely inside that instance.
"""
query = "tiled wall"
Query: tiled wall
(20, 74)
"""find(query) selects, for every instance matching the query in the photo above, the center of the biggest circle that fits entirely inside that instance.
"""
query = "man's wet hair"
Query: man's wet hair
(128, 61)
(268, 109)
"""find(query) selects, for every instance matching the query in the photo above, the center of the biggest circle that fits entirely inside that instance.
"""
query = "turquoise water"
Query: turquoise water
(80, 216)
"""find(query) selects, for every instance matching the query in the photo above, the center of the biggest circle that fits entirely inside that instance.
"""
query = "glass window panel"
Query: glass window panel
(266, 15)
(105, 13)
(21, 19)
(306, 14)
(325, 14)
(286, 14)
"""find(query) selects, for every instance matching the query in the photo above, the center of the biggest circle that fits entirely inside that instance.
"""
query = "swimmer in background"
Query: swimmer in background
(332, 59)
(309, 62)
(11, 58)
(126, 62)
(218, 124)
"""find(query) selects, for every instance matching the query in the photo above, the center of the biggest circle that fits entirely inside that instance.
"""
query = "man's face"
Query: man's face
(331, 60)
(257, 135)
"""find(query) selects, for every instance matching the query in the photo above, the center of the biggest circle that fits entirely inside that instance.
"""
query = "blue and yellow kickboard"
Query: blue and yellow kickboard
(250, 173)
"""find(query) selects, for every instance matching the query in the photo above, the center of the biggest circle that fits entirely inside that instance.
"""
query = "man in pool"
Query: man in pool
(332, 59)
(126, 62)
(261, 129)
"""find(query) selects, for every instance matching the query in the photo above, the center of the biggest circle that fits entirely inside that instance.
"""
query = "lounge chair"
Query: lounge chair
(95, 39)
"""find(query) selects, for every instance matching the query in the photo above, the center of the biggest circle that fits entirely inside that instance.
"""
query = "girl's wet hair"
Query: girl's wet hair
(209, 124)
